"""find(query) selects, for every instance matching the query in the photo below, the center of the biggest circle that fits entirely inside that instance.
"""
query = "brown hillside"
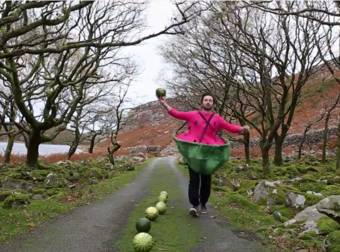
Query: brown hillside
(149, 124)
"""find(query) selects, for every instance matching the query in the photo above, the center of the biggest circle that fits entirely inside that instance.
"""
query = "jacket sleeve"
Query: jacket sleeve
(181, 115)
(232, 128)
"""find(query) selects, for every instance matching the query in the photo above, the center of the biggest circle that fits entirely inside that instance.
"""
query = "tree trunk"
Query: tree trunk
(247, 148)
(72, 150)
(325, 138)
(93, 138)
(33, 148)
(278, 150)
(74, 144)
(338, 147)
(9, 147)
(265, 147)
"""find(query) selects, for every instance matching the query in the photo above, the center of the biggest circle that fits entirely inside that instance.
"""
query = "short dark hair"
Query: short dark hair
(207, 94)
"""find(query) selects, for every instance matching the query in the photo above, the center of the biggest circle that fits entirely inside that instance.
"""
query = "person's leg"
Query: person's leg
(205, 191)
(193, 191)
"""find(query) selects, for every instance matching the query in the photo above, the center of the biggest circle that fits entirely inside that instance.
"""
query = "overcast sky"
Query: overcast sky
(151, 66)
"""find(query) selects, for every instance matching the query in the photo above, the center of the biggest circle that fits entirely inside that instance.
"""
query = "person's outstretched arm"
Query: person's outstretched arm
(233, 128)
(173, 112)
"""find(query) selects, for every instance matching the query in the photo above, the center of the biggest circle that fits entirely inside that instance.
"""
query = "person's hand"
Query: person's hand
(161, 100)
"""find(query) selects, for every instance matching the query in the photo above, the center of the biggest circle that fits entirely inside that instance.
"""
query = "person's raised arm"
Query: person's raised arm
(173, 112)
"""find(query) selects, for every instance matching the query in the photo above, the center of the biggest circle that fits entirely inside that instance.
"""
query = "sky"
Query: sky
(151, 65)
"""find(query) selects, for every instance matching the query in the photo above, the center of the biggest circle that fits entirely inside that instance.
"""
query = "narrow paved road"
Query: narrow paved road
(95, 227)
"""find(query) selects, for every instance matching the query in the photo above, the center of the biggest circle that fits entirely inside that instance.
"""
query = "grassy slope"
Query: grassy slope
(18, 220)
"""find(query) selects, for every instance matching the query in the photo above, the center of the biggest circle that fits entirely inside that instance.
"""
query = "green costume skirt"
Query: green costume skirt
(203, 158)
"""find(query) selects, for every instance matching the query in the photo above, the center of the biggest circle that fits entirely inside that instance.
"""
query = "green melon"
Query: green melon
(143, 225)
(163, 198)
(164, 193)
(142, 242)
(161, 207)
(160, 92)
(151, 213)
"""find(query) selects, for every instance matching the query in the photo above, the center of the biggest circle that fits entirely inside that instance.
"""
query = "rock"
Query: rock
(16, 184)
(74, 176)
(53, 180)
(137, 159)
(93, 181)
(310, 213)
(295, 200)
(4, 195)
(109, 166)
(16, 199)
(308, 218)
(235, 183)
(332, 242)
(330, 206)
(327, 225)
(263, 190)
(242, 167)
(72, 186)
(137, 149)
(277, 216)
(38, 197)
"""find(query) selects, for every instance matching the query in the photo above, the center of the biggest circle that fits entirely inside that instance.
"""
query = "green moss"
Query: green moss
(330, 190)
(334, 241)
(310, 236)
(16, 199)
(312, 199)
(18, 220)
(4, 195)
(327, 225)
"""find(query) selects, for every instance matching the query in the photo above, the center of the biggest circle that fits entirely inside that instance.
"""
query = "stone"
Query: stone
(38, 197)
(16, 199)
(295, 200)
(330, 206)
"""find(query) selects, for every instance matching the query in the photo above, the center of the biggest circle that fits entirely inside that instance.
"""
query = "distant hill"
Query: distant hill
(149, 124)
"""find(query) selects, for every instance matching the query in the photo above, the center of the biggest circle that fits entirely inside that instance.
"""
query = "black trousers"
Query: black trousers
(199, 188)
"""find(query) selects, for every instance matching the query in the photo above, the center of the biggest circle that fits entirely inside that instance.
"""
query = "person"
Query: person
(199, 121)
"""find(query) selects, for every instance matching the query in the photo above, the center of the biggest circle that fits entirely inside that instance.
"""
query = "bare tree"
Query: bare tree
(308, 126)
(117, 117)
(328, 112)
(326, 13)
(271, 58)
(50, 52)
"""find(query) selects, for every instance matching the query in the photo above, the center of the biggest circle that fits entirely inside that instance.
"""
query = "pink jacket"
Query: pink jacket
(196, 125)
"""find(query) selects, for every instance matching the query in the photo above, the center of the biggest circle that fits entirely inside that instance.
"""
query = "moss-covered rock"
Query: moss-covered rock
(309, 236)
(327, 225)
(333, 241)
(4, 195)
(39, 175)
(16, 199)
(95, 172)
(73, 176)
(312, 199)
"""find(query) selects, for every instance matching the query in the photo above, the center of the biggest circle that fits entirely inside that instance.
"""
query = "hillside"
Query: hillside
(149, 124)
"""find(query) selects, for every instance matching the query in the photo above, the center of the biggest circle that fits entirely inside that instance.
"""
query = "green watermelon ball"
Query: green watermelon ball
(142, 242)
(161, 207)
(151, 213)
(143, 225)
(160, 92)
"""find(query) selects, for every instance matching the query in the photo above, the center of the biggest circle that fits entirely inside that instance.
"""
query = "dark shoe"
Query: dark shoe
(193, 212)
(204, 210)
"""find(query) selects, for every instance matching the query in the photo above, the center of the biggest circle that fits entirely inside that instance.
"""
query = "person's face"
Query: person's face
(207, 102)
